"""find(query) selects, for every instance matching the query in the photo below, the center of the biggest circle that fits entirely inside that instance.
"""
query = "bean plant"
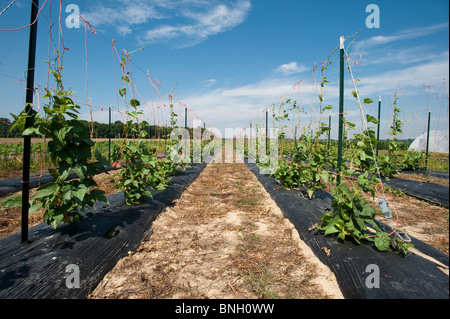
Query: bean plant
(70, 149)
(143, 171)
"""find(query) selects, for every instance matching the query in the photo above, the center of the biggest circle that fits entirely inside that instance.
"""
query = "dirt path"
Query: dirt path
(224, 238)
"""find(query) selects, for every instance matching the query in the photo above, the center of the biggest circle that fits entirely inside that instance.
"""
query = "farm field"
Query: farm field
(223, 239)
(11, 153)
(226, 238)
(426, 221)
(318, 173)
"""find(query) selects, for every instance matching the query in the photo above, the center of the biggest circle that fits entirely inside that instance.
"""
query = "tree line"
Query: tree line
(99, 130)
(102, 130)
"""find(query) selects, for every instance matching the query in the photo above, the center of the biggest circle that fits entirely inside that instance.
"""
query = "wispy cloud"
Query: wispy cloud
(188, 21)
(209, 83)
(236, 106)
(290, 68)
(410, 78)
(216, 19)
(401, 56)
(400, 35)
(123, 14)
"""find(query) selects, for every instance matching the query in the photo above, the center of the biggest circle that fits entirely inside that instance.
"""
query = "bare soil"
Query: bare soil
(224, 238)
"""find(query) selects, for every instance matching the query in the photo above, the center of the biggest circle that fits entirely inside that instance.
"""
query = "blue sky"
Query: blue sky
(229, 60)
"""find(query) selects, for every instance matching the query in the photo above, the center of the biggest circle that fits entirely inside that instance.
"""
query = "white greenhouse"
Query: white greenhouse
(438, 142)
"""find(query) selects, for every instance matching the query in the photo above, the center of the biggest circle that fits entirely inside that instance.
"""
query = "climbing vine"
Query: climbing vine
(70, 149)
(143, 171)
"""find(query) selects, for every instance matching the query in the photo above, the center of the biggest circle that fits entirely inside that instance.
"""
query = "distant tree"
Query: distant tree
(5, 125)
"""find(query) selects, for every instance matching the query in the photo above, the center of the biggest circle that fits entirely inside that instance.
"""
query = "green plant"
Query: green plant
(349, 216)
(308, 168)
(143, 171)
(411, 161)
(70, 151)
(389, 165)
(260, 281)
(350, 213)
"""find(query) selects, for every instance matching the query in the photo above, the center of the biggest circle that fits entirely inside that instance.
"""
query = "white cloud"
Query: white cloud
(196, 20)
(209, 83)
(217, 19)
(123, 14)
(398, 36)
(411, 78)
(236, 106)
(290, 68)
(401, 56)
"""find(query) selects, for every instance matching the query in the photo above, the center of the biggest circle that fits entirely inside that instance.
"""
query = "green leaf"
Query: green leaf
(331, 229)
(134, 103)
(368, 212)
(54, 173)
(382, 242)
(35, 207)
(360, 223)
(12, 201)
(31, 131)
(79, 193)
(367, 101)
(324, 176)
(55, 220)
(371, 119)
(46, 190)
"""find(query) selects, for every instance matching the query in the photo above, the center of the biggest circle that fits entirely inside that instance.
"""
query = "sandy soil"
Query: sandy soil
(224, 238)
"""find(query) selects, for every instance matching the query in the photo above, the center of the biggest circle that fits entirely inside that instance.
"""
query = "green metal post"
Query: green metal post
(329, 132)
(428, 141)
(185, 126)
(250, 140)
(28, 121)
(267, 132)
(109, 137)
(378, 125)
(165, 138)
(341, 109)
(295, 136)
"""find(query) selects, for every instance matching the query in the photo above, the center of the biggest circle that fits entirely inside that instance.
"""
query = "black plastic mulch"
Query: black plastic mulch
(400, 277)
(432, 173)
(37, 270)
(430, 192)
(12, 185)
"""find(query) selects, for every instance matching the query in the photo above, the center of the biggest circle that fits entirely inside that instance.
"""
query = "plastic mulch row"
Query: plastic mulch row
(399, 277)
(37, 270)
